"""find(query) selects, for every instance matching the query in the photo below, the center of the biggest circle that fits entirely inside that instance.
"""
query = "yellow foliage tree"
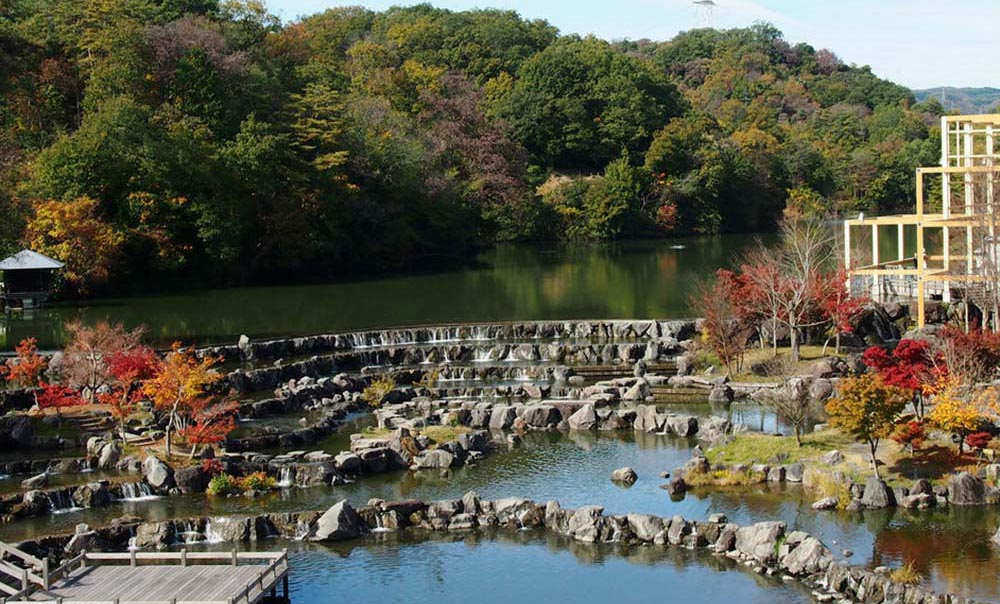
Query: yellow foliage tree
(72, 232)
(957, 409)
(867, 408)
(180, 386)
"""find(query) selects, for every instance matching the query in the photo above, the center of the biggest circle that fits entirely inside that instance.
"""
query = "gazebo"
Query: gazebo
(27, 277)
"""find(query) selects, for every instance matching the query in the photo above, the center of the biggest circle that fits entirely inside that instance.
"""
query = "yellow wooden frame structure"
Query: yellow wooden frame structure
(968, 153)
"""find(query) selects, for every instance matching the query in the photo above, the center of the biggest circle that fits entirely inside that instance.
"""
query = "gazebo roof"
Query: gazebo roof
(29, 260)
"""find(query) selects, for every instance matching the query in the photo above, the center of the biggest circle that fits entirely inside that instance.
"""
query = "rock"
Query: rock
(721, 394)
(348, 463)
(820, 389)
(832, 458)
(759, 541)
(191, 479)
(502, 417)
(966, 489)
(39, 481)
(854, 506)
(585, 418)
(541, 416)
(826, 503)
(727, 539)
(679, 528)
(794, 472)
(920, 501)
(158, 474)
(472, 503)
(339, 522)
(676, 487)
(625, 475)
(877, 494)
(645, 526)
(922, 487)
(462, 522)
(647, 419)
(433, 459)
(822, 368)
(638, 392)
(584, 524)
(109, 456)
(94, 494)
(776, 474)
(685, 363)
(682, 425)
(718, 519)
(809, 557)
(154, 535)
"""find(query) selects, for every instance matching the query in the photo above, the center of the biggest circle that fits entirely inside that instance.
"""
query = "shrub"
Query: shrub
(258, 481)
(829, 485)
(377, 390)
(211, 467)
(223, 484)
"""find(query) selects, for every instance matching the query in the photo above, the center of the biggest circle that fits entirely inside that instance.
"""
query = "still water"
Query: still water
(634, 279)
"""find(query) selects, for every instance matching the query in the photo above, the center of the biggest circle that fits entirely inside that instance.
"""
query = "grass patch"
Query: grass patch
(807, 354)
(439, 434)
(759, 448)
(723, 478)
(906, 575)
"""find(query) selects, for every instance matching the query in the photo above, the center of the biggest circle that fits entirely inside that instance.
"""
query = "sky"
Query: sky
(895, 37)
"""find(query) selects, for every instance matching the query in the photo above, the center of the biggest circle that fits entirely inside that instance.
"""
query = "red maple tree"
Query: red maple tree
(910, 434)
(913, 366)
(128, 370)
(837, 304)
(210, 422)
(978, 441)
(55, 396)
(25, 369)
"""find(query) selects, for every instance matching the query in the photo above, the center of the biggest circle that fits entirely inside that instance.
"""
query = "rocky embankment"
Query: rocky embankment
(765, 547)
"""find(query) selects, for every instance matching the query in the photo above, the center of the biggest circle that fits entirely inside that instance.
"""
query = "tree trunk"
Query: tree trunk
(168, 439)
(836, 347)
(793, 337)
(874, 447)
(774, 334)
(798, 435)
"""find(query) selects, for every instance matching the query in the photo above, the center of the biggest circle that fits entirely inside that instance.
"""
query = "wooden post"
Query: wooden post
(184, 556)
(235, 558)
(284, 586)
(920, 276)
(132, 559)
(45, 573)
(876, 279)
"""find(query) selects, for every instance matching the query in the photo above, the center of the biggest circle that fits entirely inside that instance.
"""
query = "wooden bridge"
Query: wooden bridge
(146, 577)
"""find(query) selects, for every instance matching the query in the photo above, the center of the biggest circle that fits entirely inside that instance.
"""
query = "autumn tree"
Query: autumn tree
(957, 409)
(867, 409)
(58, 397)
(792, 403)
(86, 359)
(210, 422)
(727, 326)
(73, 232)
(910, 435)
(971, 356)
(179, 387)
(912, 366)
(25, 368)
(838, 305)
(128, 370)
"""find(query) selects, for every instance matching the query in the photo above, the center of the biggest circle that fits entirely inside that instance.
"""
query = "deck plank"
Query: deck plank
(148, 583)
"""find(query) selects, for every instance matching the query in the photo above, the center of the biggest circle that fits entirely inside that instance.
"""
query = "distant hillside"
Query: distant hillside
(965, 100)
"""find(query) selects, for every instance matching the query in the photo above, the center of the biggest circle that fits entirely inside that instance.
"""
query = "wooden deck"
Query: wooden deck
(144, 577)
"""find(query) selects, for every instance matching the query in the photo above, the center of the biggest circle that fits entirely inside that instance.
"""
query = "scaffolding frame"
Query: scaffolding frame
(966, 266)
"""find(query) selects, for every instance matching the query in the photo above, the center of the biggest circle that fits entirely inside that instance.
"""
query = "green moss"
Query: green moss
(759, 448)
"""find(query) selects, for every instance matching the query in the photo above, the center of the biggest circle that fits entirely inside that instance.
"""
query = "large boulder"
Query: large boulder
(638, 392)
(585, 418)
(808, 557)
(647, 419)
(760, 541)
(158, 474)
(433, 459)
(94, 494)
(541, 416)
(966, 489)
(502, 417)
(646, 527)
(191, 479)
(39, 481)
(877, 494)
(109, 455)
(339, 522)
(682, 425)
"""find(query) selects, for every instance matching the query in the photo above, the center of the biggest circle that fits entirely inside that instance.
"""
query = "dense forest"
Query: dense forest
(146, 140)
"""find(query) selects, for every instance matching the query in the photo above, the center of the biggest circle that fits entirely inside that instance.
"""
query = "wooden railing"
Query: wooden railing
(34, 585)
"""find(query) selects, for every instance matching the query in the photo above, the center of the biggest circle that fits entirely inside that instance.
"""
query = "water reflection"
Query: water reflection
(636, 279)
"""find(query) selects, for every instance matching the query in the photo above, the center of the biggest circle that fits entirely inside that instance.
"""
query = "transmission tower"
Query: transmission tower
(706, 8)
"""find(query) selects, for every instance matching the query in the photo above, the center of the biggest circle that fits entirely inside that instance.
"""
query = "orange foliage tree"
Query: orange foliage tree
(957, 409)
(25, 369)
(179, 388)
(867, 408)
(73, 232)
(86, 359)
(727, 322)
(210, 422)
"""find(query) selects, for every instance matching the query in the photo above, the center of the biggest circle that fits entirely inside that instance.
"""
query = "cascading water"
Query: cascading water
(189, 533)
(212, 535)
(301, 530)
(286, 477)
(61, 503)
(137, 491)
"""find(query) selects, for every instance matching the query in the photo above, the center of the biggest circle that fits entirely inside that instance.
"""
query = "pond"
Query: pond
(633, 279)
(950, 547)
